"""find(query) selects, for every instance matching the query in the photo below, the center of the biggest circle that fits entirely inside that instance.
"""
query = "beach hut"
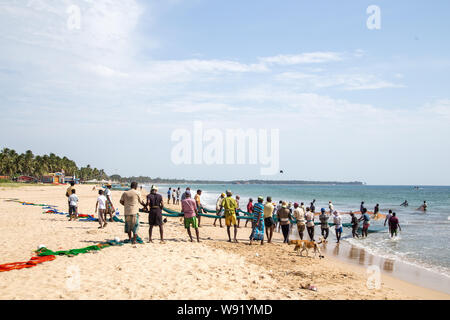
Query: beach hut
(56, 177)
(26, 179)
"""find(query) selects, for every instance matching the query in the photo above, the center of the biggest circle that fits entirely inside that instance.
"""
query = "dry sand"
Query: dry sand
(179, 269)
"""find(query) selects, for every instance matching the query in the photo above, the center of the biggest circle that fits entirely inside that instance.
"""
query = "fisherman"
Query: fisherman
(331, 207)
(258, 221)
(230, 208)
(155, 205)
(365, 216)
(283, 217)
(249, 210)
(389, 215)
(337, 225)
(189, 208)
(312, 208)
(218, 209)
(394, 225)
(324, 226)
(131, 200)
(299, 215)
(355, 225)
(199, 205)
(310, 223)
(376, 210)
(269, 223)
(361, 207)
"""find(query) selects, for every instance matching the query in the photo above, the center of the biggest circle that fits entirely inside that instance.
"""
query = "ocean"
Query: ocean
(425, 237)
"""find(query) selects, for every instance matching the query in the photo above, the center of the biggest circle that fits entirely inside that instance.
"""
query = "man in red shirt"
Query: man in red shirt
(249, 209)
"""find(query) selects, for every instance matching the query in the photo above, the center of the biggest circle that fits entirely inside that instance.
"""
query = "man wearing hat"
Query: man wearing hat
(258, 221)
(218, 209)
(109, 205)
(155, 205)
(230, 206)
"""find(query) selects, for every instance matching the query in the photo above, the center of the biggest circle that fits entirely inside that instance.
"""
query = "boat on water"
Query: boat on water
(119, 187)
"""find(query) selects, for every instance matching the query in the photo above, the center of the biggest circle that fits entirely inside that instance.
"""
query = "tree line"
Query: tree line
(13, 164)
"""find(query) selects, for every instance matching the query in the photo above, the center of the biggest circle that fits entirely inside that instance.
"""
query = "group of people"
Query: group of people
(261, 214)
(174, 195)
(103, 207)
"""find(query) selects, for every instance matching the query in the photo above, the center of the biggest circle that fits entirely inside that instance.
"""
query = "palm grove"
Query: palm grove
(13, 164)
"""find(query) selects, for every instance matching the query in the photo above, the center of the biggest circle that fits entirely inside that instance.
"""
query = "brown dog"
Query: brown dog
(302, 245)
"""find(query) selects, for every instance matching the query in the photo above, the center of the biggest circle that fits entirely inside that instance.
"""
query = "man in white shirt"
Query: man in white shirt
(337, 225)
(100, 208)
(109, 210)
(310, 223)
(299, 215)
(331, 207)
(218, 211)
(73, 206)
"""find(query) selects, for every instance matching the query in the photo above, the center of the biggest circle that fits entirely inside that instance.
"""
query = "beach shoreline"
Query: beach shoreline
(218, 269)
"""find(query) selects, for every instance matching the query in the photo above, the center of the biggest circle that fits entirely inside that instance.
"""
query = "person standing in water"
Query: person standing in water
(312, 208)
(299, 215)
(389, 215)
(394, 225)
(361, 207)
(424, 206)
(324, 226)
(376, 210)
(337, 225)
(331, 207)
(355, 225)
(365, 216)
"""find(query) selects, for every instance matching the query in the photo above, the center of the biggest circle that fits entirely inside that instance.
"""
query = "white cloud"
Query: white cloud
(345, 81)
(304, 58)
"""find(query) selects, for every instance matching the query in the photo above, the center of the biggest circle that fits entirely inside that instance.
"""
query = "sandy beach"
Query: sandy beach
(179, 269)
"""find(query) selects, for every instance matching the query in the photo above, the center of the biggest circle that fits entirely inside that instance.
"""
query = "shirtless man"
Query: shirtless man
(394, 225)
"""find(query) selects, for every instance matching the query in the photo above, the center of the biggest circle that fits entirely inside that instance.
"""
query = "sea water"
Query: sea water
(425, 237)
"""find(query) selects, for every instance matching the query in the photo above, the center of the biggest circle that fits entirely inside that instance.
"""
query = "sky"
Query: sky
(108, 83)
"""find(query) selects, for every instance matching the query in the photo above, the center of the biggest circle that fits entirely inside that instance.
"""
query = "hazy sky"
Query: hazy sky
(350, 103)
